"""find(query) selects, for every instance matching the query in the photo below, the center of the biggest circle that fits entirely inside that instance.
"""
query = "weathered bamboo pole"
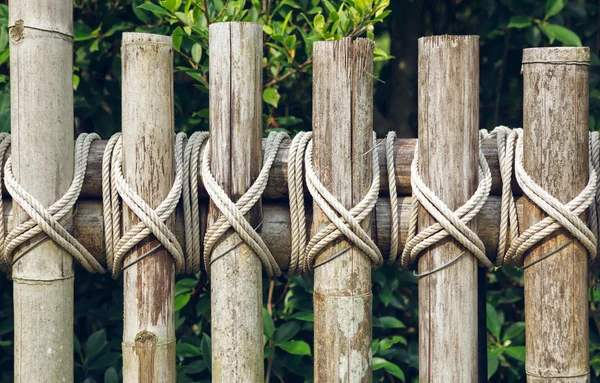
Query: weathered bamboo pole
(555, 122)
(342, 134)
(236, 159)
(277, 187)
(148, 166)
(41, 50)
(448, 160)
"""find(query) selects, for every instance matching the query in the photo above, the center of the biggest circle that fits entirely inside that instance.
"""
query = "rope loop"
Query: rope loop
(151, 221)
(232, 214)
(449, 223)
(559, 215)
(47, 220)
(344, 222)
(191, 208)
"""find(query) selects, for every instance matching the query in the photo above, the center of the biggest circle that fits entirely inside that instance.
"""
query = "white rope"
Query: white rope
(453, 223)
(296, 196)
(48, 220)
(232, 214)
(506, 139)
(594, 214)
(559, 214)
(394, 216)
(191, 208)
(151, 221)
(344, 222)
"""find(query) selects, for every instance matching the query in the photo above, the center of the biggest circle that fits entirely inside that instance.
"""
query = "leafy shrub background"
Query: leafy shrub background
(291, 27)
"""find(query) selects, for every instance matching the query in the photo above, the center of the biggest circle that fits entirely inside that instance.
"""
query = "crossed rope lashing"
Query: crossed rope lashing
(192, 166)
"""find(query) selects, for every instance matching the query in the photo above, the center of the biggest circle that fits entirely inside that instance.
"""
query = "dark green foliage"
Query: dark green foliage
(291, 26)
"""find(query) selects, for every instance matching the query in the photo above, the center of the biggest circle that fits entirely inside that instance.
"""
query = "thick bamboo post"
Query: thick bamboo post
(236, 159)
(448, 160)
(41, 51)
(343, 125)
(555, 121)
(148, 166)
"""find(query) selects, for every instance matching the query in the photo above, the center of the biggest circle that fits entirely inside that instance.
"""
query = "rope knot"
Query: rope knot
(232, 214)
(343, 222)
(44, 219)
(152, 221)
(559, 215)
(449, 223)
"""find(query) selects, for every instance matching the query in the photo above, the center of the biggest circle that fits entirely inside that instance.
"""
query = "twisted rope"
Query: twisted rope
(48, 220)
(191, 209)
(594, 217)
(297, 211)
(232, 214)
(395, 217)
(449, 222)
(509, 224)
(151, 221)
(559, 215)
(344, 222)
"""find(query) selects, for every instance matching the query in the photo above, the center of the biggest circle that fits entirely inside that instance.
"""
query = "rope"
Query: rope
(344, 222)
(48, 220)
(297, 210)
(594, 214)
(559, 214)
(509, 223)
(151, 221)
(232, 214)
(191, 208)
(449, 222)
(395, 217)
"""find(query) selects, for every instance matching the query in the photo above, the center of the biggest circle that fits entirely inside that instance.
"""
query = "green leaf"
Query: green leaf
(154, 8)
(304, 316)
(295, 347)
(171, 5)
(387, 322)
(196, 53)
(513, 330)
(271, 96)
(492, 321)
(287, 331)
(387, 343)
(177, 38)
(76, 80)
(517, 352)
(379, 363)
(105, 361)
(492, 366)
(188, 350)
(553, 7)
(195, 367)
(181, 300)
(560, 33)
(206, 351)
(95, 344)
(111, 376)
(519, 22)
(268, 325)
(268, 30)
(319, 22)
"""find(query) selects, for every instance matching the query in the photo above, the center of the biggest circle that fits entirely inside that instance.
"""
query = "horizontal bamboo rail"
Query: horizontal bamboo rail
(275, 230)
(277, 187)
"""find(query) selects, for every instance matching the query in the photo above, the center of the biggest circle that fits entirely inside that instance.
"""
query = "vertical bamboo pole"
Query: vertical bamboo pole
(41, 51)
(148, 166)
(343, 124)
(555, 122)
(448, 160)
(236, 159)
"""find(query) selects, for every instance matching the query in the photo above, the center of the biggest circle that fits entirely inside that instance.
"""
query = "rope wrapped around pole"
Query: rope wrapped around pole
(48, 220)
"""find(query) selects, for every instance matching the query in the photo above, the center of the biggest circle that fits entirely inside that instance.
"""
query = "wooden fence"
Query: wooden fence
(556, 157)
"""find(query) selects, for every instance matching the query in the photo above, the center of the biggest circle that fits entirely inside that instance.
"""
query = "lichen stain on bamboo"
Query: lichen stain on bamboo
(145, 349)
(350, 315)
(353, 368)
(16, 31)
